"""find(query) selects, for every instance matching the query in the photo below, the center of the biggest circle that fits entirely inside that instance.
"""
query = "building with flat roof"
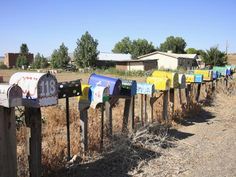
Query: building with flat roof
(10, 59)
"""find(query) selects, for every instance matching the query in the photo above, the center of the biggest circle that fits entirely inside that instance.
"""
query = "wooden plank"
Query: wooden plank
(165, 106)
(141, 109)
(84, 129)
(145, 109)
(34, 122)
(8, 159)
(131, 112)
(108, 118)
(187, 93)
(126, 115)
(198, 92)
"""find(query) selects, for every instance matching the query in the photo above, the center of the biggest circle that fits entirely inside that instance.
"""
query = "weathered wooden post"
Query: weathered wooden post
(39, 90)
(67, 90)
(165, 106)
(10, 96)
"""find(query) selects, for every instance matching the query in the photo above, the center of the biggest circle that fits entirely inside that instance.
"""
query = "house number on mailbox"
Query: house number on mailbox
(48, 87)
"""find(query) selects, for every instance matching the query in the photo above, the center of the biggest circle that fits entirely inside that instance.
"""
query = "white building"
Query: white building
(168, 60)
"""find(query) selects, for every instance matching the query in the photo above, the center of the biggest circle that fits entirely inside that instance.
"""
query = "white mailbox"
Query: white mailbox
(10, 95)
(38, 89)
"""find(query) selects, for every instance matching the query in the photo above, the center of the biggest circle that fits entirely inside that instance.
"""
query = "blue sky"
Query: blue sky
(45, 24)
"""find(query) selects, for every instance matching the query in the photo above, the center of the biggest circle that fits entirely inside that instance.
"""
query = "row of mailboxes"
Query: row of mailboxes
(172, 76)
(207, 74)
(160, 83)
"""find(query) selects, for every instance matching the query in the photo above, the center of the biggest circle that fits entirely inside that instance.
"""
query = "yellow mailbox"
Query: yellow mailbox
(172, 76)
(160, 83)
(190, 78)
(207, 74)
(86, 93)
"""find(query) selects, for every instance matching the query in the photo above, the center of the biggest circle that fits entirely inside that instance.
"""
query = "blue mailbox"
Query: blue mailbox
(145, 88)
(198, 78)
(113, 84)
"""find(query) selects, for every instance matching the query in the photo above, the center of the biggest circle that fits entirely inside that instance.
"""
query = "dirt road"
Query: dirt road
(205, 146)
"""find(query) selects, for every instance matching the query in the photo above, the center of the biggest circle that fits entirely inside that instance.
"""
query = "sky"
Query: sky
(43, 25)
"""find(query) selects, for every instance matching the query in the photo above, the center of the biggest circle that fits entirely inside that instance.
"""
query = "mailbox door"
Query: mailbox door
(38, 89)
(69, 89)
(10, 96)
(86, 93)
(145, 88)
(128, 88)
(113, 84)
(99, 94)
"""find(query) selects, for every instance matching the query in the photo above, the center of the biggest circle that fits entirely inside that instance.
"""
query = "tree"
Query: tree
(21, 61)
(135, 48)
(215, 57)
(86, 52)
(60, 57)
(192, 51)
(141, 47)
(123, 46)
(40, 61)
(24, 49)
(175, 44)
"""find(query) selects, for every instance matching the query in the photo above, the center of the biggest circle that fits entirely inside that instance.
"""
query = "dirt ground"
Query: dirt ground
(205, 146)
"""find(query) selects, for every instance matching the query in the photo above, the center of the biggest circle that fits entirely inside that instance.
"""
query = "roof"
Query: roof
(103, 56)
(172, 55)
(135, 60)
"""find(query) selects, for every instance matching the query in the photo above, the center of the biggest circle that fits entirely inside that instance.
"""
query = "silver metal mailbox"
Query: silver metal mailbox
(10, 95)
(38, 89)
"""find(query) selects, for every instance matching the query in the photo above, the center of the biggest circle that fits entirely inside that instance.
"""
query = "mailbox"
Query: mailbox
(160, 83)
(173, 77)
(198, 78)
(182, 81)
(145, 88)
(86, 93)
(128, 87)
(113, 84)
(69, 89)
(215, 75)
(10, 95)
(221, 70)
(99, 94)
(38, 89)
(207, 74)
(190, 78)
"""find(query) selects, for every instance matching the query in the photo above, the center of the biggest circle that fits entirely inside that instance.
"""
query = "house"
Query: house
(10, 59)
(110, 59)
(132, 65)
(169, 60)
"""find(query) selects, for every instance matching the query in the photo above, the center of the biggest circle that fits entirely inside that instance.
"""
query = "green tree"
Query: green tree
(86, 52)
(24, 49)
(175, 44)
(141, 47)
(215, 57)
(192, 51)
(135, 48)
(40, 61)
(21, 61)
(123, 46)
(60, 57)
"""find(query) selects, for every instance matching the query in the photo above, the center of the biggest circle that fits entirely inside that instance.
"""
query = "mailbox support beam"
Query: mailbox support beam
(34, 122)
(128, 114)
(102, 126)
(198, 92)
(165, 106)
(108, 117)
(84, 129)
(68, 127)
(187, 93)
(8, 157)
(172, 100)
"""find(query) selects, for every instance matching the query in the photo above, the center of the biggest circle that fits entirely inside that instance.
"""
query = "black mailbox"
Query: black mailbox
(69, 89)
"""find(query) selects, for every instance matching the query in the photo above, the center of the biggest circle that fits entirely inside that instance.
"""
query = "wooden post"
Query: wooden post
(128, 114)
(172, 100)
(198, 92)
(68, 128)
(152, 101)
(187, 93)
(165, 106)
(102, 126)
(141, 109)
(145, 109)
(180, 96)
(108, 118)
(34, 122)
(8, 162)
(84, 129)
